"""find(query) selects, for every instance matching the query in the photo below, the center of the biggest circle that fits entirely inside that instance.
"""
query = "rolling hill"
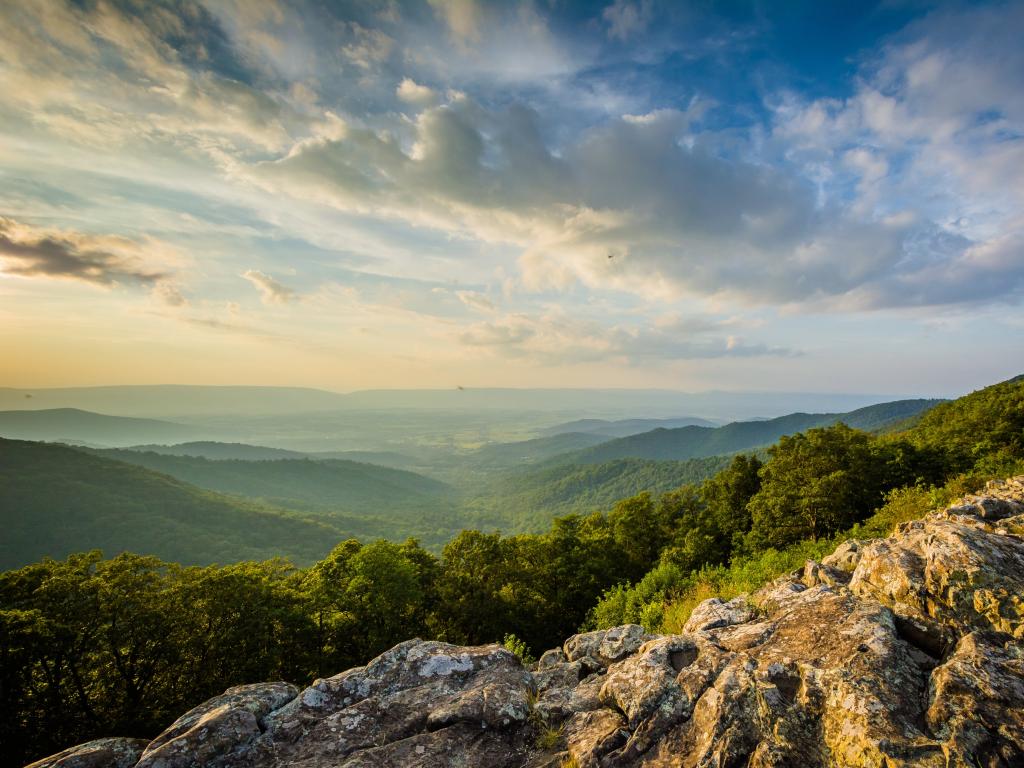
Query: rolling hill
(74, 425)
(333, 485)
(695, 441)
(58, 500)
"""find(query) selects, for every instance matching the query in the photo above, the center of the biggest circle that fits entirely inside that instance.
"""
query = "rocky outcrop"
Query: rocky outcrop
(896, 653)
(101, 753)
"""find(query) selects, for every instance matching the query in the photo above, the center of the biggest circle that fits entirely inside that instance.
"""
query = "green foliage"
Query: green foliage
(814, 484)
(519, 648)
(330, 485)
(526, 501)
(640, 604)
(94, 647)
(984, 429)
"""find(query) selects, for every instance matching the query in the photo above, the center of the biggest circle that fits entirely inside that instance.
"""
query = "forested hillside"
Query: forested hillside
(333, 485)
(625, 427)
(692, 442)
(529, 499)
(524, 452)
(58, 500)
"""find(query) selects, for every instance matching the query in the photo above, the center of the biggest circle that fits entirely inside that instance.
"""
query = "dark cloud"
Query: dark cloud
(72, 256)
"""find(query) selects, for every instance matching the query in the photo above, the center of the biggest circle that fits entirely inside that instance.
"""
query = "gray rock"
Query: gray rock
(606, 646)
(101, 753)
(714, 613)
(217, 727)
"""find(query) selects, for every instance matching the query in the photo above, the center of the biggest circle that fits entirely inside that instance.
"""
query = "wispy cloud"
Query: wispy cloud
(271, 290)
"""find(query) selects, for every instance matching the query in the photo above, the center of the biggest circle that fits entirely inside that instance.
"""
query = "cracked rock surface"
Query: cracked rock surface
(905, 652)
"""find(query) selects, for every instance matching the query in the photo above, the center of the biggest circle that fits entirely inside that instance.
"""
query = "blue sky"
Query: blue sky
(735, 195)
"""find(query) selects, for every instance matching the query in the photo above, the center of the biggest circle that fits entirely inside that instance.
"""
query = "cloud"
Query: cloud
(102, 260)
(475, 300)
(411, 92)
(368, 46)
(170, 294)
(271, 291)
(630, 206)
(626, 18)
(555, 337)
(840, 206)
(932, 133)
(463, 17)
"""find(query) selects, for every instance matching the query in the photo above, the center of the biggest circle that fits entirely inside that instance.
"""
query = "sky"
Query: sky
(798, 196)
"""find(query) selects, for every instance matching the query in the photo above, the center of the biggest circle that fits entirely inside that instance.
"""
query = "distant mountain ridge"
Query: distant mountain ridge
(73, 424)
(625, 427)
(210, 449)
(695, 442)
(174, 401)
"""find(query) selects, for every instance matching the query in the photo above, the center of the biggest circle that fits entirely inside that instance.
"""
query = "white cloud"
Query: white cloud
(475, 300)
(555, 337)
(271, 291)
(368, 47)
(412, 92)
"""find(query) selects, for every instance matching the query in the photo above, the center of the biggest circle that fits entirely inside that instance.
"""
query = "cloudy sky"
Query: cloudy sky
(736, 195)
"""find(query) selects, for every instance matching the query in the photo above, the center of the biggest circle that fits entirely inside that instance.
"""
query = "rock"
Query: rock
(949, 573)
(217, 727)
(904, 652)
(551, 658)
(978, 700)
(713, 613)
(101, 753)
(591, 735)
(819, 573)
(846, 556)
(605, 646)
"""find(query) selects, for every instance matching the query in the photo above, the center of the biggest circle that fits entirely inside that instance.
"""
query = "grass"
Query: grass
(549, 737)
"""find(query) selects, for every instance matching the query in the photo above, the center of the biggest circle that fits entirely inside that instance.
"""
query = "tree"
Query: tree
(640, 532)
(471, 608)
(814, 484)
(727, 495)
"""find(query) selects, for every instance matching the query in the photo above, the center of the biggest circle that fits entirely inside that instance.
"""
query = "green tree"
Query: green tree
(814, 484)
(727, 495)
